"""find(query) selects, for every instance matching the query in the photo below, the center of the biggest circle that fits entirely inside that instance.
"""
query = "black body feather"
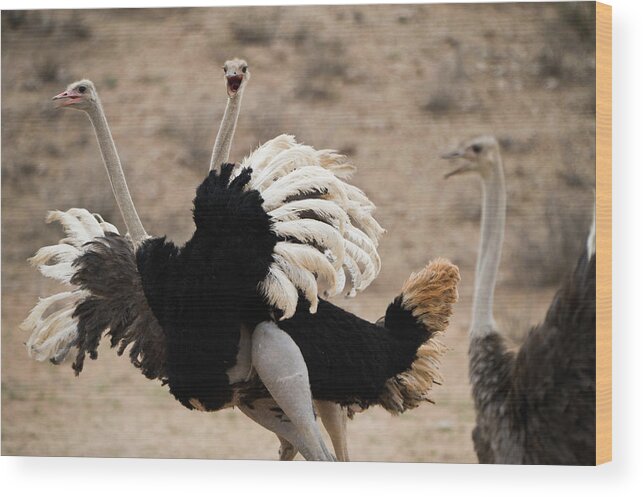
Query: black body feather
(349, 359)
(199, 292)
(200, 295)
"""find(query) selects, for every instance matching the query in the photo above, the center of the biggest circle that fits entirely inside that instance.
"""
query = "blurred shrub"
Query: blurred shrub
(569, 48)
(325, 69)
(546, 260)
(75, 28)
(255, 29)
(42, 24)
(440, 103)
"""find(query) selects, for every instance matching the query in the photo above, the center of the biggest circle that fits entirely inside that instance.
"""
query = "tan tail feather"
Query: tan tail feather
(430, 295)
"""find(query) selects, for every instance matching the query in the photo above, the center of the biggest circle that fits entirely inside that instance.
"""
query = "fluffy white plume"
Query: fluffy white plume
(54, 253)
(341, 283)
(280, 291)
(336, 163)
(310, 259)
(362, 218)
(52, 329)
(365, 264)
(305, 182)
(302, 279)
(284, 163)
(312, 208)
(304, 192)
(35, 318)
(359, 238)
(354, 275)
(265, 153)
(313, 232)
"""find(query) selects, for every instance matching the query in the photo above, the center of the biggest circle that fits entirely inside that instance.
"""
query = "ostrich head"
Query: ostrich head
(480, 155)
(80, 95)
(236, 74)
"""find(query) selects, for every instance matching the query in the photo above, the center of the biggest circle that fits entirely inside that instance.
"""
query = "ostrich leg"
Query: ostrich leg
(268, 414)
(334, 418)
(287, 451)
(281, 367)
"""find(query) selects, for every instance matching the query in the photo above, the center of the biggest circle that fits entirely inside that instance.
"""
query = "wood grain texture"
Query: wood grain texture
(604, 233)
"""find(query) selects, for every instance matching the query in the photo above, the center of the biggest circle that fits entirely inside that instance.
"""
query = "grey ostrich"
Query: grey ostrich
(536, 405)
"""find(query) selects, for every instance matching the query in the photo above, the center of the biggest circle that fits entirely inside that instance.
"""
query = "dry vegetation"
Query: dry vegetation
(392, 85)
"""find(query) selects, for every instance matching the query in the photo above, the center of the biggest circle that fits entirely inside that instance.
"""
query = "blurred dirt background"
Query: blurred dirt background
(392, 86)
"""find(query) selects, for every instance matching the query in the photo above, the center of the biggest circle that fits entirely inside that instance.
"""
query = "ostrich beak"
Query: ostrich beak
(233, 84)
(456, 154)
(66, 98)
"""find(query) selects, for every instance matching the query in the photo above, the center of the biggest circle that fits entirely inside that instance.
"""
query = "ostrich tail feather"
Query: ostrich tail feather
(423, 309)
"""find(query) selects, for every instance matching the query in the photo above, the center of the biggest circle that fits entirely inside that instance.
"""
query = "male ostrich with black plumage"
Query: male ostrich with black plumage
(266, 242)
(538, 405)
(236, 77)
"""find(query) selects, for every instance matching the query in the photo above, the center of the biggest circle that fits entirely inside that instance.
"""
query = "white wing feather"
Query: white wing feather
(307, 181)
(313, 232)
(53, 330)
(310, 259)
(327, 225)
(280, 291)
(312, 208)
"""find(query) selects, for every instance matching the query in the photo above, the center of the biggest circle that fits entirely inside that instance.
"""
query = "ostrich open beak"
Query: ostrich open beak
(456, 154)
(66, 98)
(233, 84)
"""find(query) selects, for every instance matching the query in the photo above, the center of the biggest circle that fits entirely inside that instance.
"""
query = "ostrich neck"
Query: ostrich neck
(115, 174)
(491, 238)
(222, 145)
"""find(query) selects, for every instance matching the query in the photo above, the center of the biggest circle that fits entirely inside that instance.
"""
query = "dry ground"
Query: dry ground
(392, 86)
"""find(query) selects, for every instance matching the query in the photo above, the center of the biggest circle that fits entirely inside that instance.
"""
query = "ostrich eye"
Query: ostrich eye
(244, 68)
(82, 89)
(225, 69)
(476, 148)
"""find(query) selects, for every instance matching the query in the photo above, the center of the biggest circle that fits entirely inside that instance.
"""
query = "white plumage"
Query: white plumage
(51, 325)
(311, 205)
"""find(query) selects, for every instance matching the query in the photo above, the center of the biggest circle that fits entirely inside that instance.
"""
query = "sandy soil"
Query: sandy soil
(392, 86)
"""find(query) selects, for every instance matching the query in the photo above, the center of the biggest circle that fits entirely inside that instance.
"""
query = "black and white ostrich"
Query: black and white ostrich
(537, 405)
(257, 253)
(236, 73)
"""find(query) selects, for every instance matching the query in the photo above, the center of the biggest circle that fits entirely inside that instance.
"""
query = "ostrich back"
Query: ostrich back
(539, 405)
(556, 368)
(196, 298)
(350, 359)
(199, 292)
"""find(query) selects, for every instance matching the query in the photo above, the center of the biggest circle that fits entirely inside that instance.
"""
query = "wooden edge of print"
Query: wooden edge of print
(603, 233)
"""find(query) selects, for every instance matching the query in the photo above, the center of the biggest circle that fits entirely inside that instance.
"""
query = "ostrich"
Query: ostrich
(181, 309)
(537, 405)
(328, 412)
(236, 76)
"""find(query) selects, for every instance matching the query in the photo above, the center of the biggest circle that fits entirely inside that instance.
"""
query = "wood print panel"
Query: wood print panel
(392, 86)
